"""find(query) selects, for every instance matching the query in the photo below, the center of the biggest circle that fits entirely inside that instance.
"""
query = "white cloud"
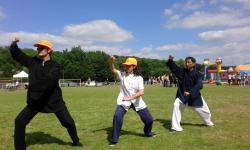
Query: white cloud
(88, 35)
(204, 14)
(213, 2)
(232, 53)
(204, 19)
(188, 5)
(98, 31)
(193, 5)
(245, 3)
(112, 50)
(60, 43)
(230, 34)
(234, 34)
(146, 50)
(167, 12)
(31, 38)
(151, 55)
(179, 46)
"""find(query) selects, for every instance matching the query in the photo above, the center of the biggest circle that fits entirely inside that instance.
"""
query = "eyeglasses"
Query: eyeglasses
(40, 48)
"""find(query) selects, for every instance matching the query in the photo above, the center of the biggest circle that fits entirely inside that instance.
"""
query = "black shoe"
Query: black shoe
(152, 135)
(78, 144)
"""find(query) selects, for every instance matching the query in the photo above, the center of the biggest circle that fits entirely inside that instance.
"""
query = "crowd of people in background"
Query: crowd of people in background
(238, 79)
(167, 80)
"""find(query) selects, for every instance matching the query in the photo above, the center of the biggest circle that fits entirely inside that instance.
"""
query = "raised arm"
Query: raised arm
(18, 55)
(112, 66)
(176, 70)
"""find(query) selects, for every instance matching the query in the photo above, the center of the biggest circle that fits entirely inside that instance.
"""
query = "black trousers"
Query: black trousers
(26, 115)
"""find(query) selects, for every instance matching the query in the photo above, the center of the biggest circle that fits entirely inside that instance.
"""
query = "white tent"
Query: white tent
(21, 74)
(18, 76)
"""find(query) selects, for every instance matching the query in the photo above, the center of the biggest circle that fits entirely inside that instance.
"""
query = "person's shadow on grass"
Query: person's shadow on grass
(123, 132)
(43, 138)
(167, 124)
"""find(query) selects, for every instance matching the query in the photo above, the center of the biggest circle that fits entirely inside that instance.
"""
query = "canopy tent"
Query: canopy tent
(21, 74)
(18, 76)
(243, 68)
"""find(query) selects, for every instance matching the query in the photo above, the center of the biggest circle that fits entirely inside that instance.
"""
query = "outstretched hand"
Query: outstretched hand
(112, 58)
(15, 40)
(171, 57)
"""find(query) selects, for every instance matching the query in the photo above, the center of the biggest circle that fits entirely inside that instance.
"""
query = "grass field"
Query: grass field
(93, 107)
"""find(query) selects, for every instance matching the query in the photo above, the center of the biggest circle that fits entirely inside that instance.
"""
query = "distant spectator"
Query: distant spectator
(229, 79)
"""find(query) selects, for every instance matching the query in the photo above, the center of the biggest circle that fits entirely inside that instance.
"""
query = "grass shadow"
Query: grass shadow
(167, 124)
(193, 124)
(108, 132)
(43, 138)
(123, 132)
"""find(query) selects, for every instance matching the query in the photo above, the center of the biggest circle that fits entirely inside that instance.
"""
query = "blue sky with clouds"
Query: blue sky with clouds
(143, 28)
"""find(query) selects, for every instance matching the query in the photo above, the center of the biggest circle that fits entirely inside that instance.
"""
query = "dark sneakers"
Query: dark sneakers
(152, 135)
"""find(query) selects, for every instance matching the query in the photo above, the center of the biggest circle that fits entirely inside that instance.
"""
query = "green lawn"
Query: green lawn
(93, 107)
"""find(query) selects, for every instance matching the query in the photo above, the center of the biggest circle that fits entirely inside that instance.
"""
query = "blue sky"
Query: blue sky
(143, 28)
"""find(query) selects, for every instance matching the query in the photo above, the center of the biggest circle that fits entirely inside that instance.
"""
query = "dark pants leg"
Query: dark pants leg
(23, 118)
(147, 120)
(117, 123)
(67, 121)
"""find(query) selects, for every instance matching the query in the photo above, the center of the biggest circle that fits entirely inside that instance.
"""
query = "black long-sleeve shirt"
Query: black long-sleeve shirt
(44, 93)
(189, 81)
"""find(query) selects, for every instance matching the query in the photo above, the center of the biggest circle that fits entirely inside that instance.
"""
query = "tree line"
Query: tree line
(80, 64)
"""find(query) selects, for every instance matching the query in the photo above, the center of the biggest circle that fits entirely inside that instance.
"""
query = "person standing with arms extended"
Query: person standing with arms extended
(130, 96)
(44, 94)
(188, 93)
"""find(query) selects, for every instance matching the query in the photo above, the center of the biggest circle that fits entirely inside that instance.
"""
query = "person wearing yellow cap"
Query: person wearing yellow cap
(130, 96)
(44, 94)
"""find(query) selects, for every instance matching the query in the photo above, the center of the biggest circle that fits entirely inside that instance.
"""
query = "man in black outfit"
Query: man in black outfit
(188, 93)
(44, 94)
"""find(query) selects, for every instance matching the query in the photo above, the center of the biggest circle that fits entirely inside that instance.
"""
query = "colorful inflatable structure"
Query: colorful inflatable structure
(243, 69)
(218, 74)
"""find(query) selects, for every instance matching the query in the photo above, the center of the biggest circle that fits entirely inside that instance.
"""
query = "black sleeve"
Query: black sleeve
(176, 70)
(20, 56)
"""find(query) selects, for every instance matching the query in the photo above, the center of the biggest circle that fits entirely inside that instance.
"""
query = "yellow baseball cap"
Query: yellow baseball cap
(44, 43)
(130, 61)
